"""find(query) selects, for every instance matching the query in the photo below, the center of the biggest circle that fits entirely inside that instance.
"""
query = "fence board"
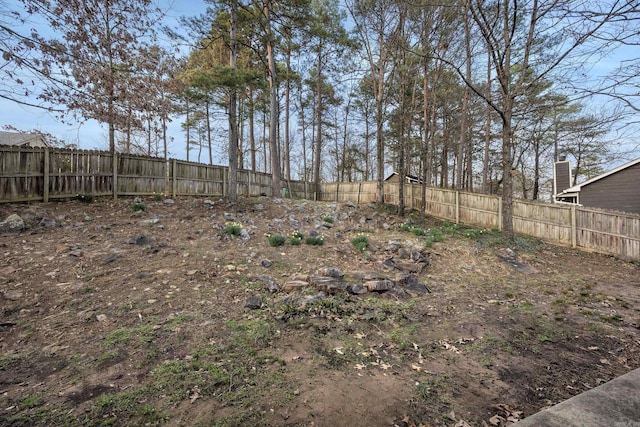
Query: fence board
(609, 232)
(545, 221)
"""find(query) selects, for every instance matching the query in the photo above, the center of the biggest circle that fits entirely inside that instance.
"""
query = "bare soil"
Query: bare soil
(111, 320)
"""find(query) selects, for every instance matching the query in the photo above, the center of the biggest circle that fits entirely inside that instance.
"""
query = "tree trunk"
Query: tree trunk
(273, 102)
(232, 191)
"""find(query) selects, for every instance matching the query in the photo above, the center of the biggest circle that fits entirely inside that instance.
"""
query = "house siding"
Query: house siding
(619, 191)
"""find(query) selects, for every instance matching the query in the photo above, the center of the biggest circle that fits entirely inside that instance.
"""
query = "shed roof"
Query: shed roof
(578, 187)
(22, 139)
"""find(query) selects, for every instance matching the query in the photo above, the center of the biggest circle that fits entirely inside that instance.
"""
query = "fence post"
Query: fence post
(224, 181)
(457, 207)
(499, 213)
(574, 230)
(45, 178)
(115, 175)
(174, 178)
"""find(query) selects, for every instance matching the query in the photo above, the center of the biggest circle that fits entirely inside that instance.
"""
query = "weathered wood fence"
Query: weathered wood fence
(615, 233)
(43, 174)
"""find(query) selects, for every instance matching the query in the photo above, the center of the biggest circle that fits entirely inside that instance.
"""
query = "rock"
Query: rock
(379, 285)
(313, 233)
(350, 204)
(208, 203)
(254, 302)
(368, 275)
(266, 263)
(259, 207)
(389, 264)
(404, 254)
(13, 223)
(294, 285)
(168, 201)
(86, 315)
(137, 200)
(272, 286)
(244, 235)
(416, 288)
(357, 289)
(141, 240)
(398, 292)
(12, 295)
(326, 224)
(229, 216)
(394, 247)
(101, 317)
(406, 278)
(48, 223)
(149, 222)
(329, 285)
(330, 272)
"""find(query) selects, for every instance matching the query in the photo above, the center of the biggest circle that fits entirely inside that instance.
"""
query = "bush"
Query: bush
(137, 207)
(276, 240)
(296, 237)
(233, 228)
(418, 231)
(314, 240)
(360, 242)
(85, 198)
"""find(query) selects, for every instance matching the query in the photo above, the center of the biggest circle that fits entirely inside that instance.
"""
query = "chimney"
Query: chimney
(561, 175)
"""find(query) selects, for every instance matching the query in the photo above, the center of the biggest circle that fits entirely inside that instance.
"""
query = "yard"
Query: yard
(271, 312)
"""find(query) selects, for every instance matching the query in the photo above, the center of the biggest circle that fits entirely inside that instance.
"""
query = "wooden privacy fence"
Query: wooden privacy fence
(43, 174)
(609, 232)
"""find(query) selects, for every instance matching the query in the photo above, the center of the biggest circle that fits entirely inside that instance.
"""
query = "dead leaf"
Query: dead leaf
(360, 366)
(359, 336)
(385, 366)
(496, 420)
(416, 367)
(339, 350)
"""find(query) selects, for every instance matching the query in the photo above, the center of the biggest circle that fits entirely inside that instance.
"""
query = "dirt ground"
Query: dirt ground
(112, 317)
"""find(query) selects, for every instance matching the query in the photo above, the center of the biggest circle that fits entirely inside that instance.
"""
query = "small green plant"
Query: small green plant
(296, 237)
(328, 219)
(233, 228)
(85, 198)
(418, 231)
(360, 242)
(405, 226)
(137, 207)
(473, 233)
(158, 197)
(276, 240)
(314, 240)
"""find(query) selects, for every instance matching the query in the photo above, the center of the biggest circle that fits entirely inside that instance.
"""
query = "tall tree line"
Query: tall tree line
(472, 94)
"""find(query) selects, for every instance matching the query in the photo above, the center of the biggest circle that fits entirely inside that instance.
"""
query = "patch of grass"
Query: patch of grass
(133, 407)
(611, 318)
(122, 336)
(418, 231)
(328, 219)
(276, 240)
(158, 197)
(7, 360)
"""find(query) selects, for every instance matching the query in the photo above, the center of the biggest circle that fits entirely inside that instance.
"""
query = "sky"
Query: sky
(91, 135)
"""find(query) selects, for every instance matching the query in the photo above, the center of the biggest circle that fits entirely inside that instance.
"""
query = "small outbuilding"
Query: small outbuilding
(18, 139)
(618, 189)
(408, 179)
